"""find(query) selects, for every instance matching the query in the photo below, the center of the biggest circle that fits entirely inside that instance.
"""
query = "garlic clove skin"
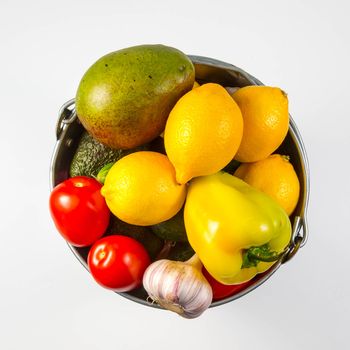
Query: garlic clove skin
(178, 286)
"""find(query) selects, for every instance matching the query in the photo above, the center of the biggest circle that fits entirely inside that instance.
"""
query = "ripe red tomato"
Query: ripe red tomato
(79, 211)
(222, 291)
(118, 262)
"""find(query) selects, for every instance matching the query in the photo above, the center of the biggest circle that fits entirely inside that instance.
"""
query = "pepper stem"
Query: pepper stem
(263, 255)
(253, 255)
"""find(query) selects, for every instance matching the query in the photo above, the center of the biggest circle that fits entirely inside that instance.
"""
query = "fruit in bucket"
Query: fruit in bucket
(79, 211)
(266, 120)
(203, 132)
(118, 262)
(124, 98)
(92, 155)
(200, 213)
(141, 189)
(276, 177)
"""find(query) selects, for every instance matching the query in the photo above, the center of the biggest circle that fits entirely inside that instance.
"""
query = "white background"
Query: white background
(47, 300)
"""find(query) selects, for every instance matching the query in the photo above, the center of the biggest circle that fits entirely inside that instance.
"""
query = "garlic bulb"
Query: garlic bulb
(178, 286)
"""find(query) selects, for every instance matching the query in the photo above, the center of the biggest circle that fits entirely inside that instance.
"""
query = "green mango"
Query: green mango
(124, 99)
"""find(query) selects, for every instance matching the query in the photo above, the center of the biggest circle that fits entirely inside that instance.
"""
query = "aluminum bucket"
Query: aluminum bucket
(69, 130)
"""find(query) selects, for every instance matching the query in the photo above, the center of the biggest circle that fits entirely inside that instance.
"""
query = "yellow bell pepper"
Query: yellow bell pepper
(236, 230)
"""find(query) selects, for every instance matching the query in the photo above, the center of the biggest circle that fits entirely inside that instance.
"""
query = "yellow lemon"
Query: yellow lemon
(276, 177)
(141, 189)
(266, 120)
(203, 132)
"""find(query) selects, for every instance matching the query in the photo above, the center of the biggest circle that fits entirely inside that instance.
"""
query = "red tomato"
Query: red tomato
(222, 291)
(118, 262)
(79, 211)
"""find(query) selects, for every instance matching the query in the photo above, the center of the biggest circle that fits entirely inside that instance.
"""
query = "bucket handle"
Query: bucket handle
(299, 237)
(65, 116)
